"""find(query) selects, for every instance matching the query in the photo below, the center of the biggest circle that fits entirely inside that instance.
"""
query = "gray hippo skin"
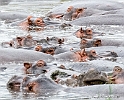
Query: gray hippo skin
(4, 2)
(100, 65)
(97, 12)
(20, 55)
(13, 16)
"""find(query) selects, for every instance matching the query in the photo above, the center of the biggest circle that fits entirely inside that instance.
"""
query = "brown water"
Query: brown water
(40, 8)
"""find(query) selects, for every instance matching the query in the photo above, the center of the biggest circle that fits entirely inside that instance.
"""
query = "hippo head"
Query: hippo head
(39, 85)
(94, 77)
(38, 48)
(81, 33)
(14, 83)
(119, 79)
(35, 21)
(97, 43)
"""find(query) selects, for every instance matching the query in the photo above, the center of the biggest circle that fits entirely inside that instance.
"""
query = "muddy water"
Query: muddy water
(40, 8)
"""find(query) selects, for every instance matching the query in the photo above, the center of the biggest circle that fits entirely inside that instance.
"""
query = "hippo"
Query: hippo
(31, 23)
(84, 33)
(77, 56)
(71, 13)
(92, 77)
(90, 43)
(21, 55)
(21, 42)
(52, 50)
(39, 85)
(110, 42)
(55, 40)
(107, 49)
(97, 13)
(117, 75)
(14, 83)
(37, 68)
(100, 42)
(99, 64)
(13, 16)
(50, 41)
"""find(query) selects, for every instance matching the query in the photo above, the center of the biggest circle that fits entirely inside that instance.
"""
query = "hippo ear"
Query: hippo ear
(27, 65)
(63, 40)
(89, 31)
(82, 51)
(47, 38)
(81, 29)
(29, 20)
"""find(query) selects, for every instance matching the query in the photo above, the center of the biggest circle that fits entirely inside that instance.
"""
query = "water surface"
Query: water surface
(40, 8)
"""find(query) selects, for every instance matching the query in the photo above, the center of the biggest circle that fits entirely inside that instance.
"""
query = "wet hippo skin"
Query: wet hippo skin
(13, 16)
(39, 85)
(97, 12)
(16, 55)
(4, 2)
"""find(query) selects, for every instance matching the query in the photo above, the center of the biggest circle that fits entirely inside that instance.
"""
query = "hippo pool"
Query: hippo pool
(9, 66)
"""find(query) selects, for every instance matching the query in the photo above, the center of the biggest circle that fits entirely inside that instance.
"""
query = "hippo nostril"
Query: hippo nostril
(30, 88)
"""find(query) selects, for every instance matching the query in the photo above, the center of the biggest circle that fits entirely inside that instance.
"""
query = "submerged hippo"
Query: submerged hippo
(90, 43)
(88, 33)
(92, 77)
(34, 23)
(52, 50)
(20, 55)
(100, 65)
(37, 68)
(97, 12)
(70, 14)
(77, 56)
(117, 76)
(40, 85)
(21, 42)
(101, 42)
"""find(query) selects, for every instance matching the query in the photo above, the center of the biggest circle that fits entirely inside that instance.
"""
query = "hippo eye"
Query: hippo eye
(93, 52)
(89, 30)
(38, 20)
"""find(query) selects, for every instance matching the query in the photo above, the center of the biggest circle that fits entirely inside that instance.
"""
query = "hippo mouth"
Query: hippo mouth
(94, 82)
